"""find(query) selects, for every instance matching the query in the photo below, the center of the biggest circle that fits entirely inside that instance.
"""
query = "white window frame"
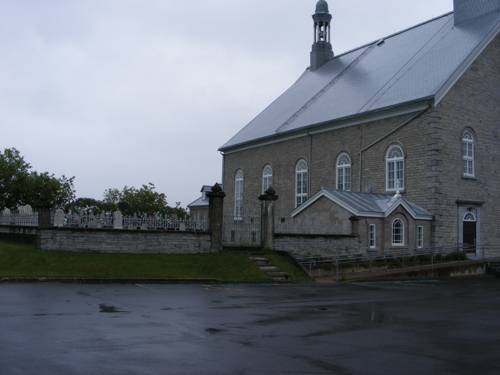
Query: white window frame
(301, 182)
(420, 237)
(267, 178)
(373, 236)
(239, 180)
(344, 172)
(468, 169)
(398, 234)
(395, 168)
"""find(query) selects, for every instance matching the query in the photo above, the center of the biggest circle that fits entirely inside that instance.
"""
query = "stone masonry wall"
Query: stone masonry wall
(282, 157)
(323, 245)
(473, 103)
(324, 149)
(121, 241)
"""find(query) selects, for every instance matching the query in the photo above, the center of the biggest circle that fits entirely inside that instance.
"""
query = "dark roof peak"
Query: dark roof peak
(322, 7)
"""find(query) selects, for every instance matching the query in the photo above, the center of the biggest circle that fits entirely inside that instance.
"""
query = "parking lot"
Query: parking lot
(397, 327)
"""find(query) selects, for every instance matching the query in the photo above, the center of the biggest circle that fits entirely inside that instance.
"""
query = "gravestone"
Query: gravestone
(118, 221)
(92, 223)
(59, 218)
(26, 210)
(5, 217)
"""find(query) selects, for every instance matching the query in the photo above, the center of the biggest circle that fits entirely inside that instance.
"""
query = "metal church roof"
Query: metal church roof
(417, 65)
(367, 204)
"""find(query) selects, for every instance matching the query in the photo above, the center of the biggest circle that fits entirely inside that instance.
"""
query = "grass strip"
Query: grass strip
(25, 261)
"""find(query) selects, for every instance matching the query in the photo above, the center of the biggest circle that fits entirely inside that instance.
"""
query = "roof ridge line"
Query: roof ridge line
(326, 87)
(402, 71)
(394, 34)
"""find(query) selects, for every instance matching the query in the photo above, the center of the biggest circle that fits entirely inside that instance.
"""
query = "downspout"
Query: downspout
(223, 169)
(309, 169)
(384, 137)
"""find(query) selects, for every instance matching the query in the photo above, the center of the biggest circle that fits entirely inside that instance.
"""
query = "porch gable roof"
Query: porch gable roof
(367, 204)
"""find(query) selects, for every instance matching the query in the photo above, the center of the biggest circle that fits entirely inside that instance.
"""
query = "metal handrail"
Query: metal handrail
(398, 255)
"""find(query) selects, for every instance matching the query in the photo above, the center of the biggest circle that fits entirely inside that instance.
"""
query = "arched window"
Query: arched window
(468, 153)
(238, 195)
(395, 168)
(398, 237)
(267, 178)
(300, 183)
(344, 172)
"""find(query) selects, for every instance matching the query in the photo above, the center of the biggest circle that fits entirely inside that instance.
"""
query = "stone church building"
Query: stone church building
(401, 134)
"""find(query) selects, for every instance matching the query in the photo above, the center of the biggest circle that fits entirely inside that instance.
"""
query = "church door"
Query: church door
(469, 232)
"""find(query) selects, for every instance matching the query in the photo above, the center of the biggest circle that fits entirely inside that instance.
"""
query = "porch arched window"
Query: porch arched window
(398, 238)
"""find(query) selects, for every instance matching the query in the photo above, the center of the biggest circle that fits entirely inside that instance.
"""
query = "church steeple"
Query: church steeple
(321, 49)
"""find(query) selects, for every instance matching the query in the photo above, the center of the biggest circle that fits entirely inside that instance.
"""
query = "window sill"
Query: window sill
(401, 191)
(466, 177)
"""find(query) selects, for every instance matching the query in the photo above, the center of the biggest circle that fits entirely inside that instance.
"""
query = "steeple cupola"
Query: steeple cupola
(321, 49)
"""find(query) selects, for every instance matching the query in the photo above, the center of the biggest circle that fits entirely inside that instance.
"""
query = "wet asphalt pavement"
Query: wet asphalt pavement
(440, 327)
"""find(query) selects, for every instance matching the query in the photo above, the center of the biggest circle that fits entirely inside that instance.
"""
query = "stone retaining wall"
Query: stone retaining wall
(314, 244)
(124, 241)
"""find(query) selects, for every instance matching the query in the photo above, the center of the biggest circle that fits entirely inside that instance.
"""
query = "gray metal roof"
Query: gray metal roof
(367, 204)
(200, 202)
(415, 65)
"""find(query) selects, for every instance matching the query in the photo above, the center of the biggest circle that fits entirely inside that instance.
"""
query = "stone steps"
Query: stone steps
(274, 272)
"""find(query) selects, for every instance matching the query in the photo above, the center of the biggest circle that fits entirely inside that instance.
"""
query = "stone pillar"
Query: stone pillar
(216, 216)
(43, 206)
(267, 218)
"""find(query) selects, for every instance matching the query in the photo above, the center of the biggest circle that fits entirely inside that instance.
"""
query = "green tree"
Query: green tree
(145, 200)
(14, 173)
(20, 186)
(59, 191)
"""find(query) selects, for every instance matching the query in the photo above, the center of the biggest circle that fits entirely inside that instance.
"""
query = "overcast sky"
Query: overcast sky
(127, 92)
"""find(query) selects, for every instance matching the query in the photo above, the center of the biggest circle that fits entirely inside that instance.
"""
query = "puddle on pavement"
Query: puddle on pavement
(214, 331)
(423, 282)
(110, 309)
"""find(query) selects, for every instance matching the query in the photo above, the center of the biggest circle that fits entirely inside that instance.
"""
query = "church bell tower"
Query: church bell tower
(321, 48)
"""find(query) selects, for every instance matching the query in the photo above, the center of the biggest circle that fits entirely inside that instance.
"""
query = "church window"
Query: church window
(395, 168)
(468, 153)
(238, 195)
(344, 172)
(373, 232)
(398, 232)
(301, 182)
(420, 237)
(267, 178)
